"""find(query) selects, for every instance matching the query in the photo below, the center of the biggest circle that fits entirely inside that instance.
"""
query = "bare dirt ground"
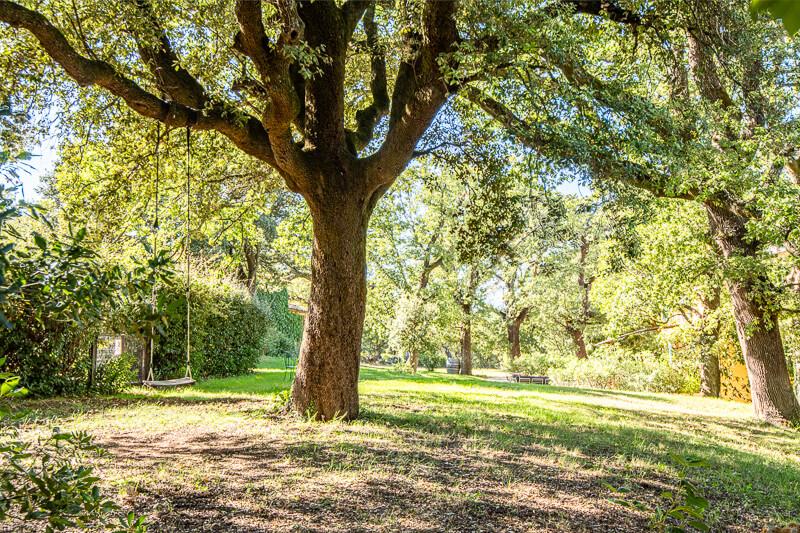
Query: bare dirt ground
(279, 474)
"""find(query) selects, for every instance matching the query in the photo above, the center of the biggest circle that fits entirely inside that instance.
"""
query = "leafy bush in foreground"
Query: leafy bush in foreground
(48, 482)
(680, 510)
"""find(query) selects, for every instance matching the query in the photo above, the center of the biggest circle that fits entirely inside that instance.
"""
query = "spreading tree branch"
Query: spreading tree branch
(157, 53)
(604, 164)
(368, 118)
(420, 89)
(274, 68)
(245, 131)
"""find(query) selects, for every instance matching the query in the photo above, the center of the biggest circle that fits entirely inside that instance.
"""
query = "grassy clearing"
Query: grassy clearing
(431, 452)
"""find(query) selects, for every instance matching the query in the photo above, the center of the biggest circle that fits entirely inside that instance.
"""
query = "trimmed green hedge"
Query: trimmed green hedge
(286, 328)
(230, 330)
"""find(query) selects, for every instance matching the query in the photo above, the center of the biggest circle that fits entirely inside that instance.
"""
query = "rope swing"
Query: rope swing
(187, 379)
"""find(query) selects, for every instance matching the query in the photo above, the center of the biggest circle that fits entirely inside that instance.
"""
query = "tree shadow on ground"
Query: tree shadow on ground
(281, 484)
(432, 461)
(731, 470)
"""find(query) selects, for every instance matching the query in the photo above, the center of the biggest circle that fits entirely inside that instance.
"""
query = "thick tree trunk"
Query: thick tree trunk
(762, 347)
(326, 384)
(756, 326)
(466, 343)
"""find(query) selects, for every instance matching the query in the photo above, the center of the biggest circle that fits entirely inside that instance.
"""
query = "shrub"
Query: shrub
(683, 509)
(116, 374)
(48, 482)
(286, 329)
(229, 330)
(616, 369)
(537, 364)
(55, 293)
(431, 360)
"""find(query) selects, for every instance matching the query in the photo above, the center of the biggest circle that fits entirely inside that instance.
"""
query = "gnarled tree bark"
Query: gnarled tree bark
(756, 325)
(326, 384)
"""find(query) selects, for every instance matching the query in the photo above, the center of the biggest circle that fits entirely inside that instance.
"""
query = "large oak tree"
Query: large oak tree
(287, 82)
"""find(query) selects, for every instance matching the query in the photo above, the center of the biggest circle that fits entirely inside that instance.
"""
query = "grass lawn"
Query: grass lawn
(430, 453)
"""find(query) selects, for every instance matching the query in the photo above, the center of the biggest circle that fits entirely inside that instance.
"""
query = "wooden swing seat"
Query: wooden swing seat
(169, 383)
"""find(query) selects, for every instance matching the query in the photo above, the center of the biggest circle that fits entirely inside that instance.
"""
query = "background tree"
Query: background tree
(703, 141)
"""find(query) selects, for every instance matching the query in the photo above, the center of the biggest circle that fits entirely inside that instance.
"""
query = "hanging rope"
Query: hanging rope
(188, 243)
(187, 379)
(155, 256)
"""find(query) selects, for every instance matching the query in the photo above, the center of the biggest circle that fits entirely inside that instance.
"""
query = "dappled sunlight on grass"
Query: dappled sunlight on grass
(512, 452)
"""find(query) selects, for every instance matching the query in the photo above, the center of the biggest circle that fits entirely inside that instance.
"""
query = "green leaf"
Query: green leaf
(787, 11)
(698, 525)
(40, 241)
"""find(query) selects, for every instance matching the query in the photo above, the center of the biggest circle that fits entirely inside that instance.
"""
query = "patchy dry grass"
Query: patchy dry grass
(430, 453)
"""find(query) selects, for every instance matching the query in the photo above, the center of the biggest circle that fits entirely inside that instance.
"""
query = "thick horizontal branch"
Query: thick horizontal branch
(245, 131)
(634, 333)
(156, 51)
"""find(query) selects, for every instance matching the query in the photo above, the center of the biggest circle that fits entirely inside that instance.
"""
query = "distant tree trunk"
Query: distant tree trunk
(756, 325)
(466, 339)
(427, 268)
(709, 359)
(144, 362)
(710, 375)
(465, 301)
(413, 361)
(576, 328)
(248, 272)
(513, 327)
(581, 352)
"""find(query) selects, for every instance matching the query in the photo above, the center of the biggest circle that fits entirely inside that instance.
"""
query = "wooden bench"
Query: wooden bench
(523, 378)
